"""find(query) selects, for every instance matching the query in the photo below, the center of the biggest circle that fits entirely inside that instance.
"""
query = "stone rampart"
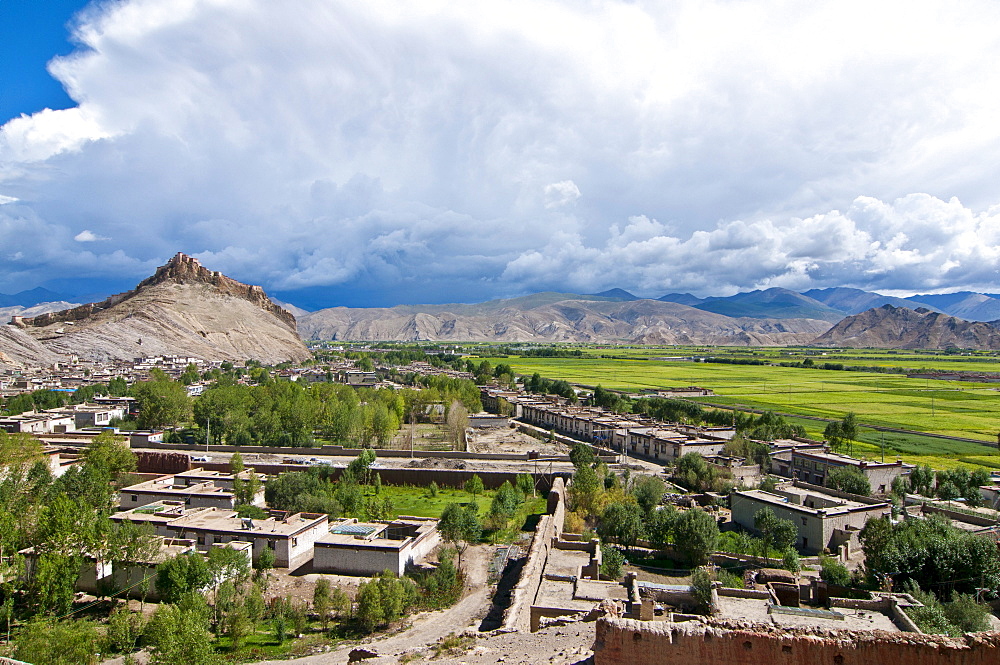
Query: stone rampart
(741, 643)
(518, 617)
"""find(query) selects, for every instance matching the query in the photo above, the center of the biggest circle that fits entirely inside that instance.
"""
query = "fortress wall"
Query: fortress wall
(663, 643)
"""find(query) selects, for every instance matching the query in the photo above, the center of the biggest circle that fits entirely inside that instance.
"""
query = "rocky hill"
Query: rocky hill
(892, 327)
(555, 318)
(183, 309)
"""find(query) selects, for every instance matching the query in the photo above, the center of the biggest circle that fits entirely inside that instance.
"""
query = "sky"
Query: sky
(419, 151)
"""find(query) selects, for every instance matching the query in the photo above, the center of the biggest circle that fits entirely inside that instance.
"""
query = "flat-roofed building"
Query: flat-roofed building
(289, 535)
(813, 466)
(368, 548)
(823, 518)
(32, 422)
(196, 488)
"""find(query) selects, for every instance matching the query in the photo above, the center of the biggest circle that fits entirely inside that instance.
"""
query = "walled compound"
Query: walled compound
(824, 518)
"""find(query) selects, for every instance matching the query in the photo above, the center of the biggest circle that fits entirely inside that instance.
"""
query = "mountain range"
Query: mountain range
(187, 309)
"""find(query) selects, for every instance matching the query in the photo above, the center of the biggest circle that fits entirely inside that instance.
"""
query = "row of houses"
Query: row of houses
(803, 459)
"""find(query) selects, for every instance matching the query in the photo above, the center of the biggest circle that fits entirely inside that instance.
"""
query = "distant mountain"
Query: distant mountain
(855, 301)
(30, 298)
(773, 303)
(553, 317)
(890, 327)
(682, 299)
(963, 304)
(615, 294)
(184, 309)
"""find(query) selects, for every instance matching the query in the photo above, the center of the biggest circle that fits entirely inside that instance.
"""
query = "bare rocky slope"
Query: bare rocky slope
(556, 318)
(184, 309)
(891, 327)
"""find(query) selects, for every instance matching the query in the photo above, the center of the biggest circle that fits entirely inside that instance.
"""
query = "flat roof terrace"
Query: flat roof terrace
(756, 610)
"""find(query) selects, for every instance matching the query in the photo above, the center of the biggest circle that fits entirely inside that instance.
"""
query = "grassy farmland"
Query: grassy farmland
(954, 408)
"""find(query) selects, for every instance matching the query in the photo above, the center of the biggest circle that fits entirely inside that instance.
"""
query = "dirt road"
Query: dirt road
(427, 627)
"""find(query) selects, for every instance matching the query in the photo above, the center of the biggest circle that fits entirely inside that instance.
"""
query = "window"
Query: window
(271, 544)
(135, 498)
(803, 521)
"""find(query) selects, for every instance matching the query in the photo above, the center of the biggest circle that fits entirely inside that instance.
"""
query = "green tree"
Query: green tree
(612, 562)
(161, 403)
(383, 599)
(183, 574)
(505, 501)
(834, 572)
(922, 480)
(322, 602)
(45, 642)
(125, 627)
(582, 454)
(701, 589)
(648, 492)
(775, 532)
(474, 485)
(849, 479)
(696, 534)
(460, 526)
(660, 526)
(176, 635)
(585, 490)
(622, 523)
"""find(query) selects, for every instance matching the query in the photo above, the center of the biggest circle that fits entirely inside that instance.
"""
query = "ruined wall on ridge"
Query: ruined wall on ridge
(742, 643)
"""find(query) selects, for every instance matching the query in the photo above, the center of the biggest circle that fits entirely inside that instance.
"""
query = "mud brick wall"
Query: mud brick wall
(661, 643)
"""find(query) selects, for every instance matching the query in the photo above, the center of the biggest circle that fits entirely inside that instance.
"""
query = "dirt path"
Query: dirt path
(428, 627)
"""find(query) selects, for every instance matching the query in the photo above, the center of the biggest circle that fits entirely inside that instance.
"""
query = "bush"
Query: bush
(790, 561)
(57, 642)
(612, 562)
(834, 572)
(966, 614)
(701, 589)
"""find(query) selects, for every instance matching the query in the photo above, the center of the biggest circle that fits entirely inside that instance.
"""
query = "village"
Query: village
(579, 565)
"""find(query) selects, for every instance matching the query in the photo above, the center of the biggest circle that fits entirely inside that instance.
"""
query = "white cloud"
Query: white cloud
(561, 193)
(88, 236)
(432, 147)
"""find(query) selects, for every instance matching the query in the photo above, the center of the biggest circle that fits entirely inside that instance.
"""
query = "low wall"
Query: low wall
(410, 476)
(719, 643)
(339, 451)
(757, 594)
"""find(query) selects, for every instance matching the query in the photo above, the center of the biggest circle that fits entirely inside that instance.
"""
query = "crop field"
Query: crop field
(953, 408)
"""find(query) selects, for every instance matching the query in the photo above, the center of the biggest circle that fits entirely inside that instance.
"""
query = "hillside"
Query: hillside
(892, 327)
(184, 309)
(542, 318)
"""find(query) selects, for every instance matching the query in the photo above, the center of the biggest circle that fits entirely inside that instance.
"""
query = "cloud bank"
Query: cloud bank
(406, 151)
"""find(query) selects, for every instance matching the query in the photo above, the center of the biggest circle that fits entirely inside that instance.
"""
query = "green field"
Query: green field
(953, 408)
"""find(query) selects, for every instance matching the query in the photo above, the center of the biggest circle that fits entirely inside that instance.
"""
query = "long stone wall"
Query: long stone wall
(518, 617)
(662, 643)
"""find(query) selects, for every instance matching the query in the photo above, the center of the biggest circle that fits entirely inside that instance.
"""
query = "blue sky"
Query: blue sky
(31, 33)
(403, 151)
